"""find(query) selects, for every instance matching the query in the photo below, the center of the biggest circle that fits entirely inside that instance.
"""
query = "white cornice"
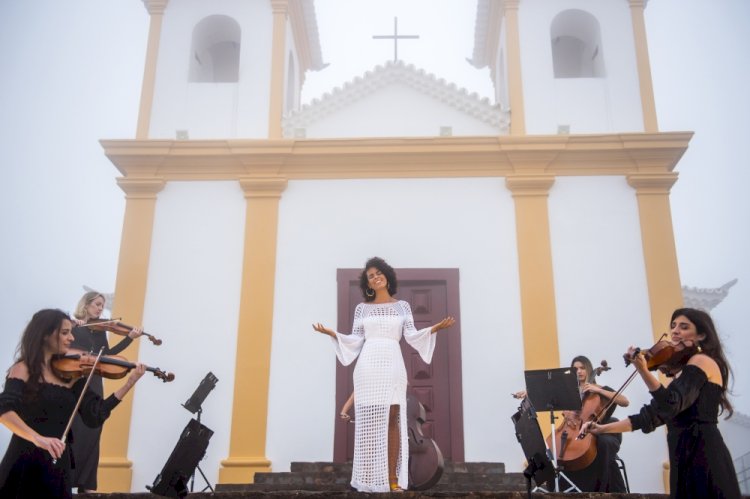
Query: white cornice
(397, 72)
(479, 58)
(305, 27)
(492, 156)
(706, 298)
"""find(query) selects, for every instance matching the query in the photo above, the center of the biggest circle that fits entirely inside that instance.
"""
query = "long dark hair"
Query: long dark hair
(30, 350)
(711, 346)
(388, 272)
(586, 365)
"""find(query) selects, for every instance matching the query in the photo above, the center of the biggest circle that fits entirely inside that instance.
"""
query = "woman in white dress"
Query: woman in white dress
(381, 442)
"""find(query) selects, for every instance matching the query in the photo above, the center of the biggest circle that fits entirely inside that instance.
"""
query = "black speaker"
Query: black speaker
(190, 449)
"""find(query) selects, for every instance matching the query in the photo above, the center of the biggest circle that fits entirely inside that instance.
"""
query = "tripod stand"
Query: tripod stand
(554, 390)
(198, 467)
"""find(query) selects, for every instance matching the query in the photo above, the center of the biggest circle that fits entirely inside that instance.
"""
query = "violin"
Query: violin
(75, 365)
(117, 327)
(576, 452)
(667, 356)
(425, 459)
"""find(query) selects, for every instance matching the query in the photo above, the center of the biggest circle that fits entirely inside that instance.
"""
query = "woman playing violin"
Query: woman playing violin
(86, 445)
(36, 406)
(700, 463)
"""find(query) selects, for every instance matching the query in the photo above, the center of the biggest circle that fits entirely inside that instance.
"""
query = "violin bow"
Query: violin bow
(80, 398)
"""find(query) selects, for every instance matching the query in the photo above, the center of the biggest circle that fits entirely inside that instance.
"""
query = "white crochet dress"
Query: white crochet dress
(379, 382)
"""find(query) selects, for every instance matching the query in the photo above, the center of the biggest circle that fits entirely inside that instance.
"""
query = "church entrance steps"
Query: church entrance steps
(317, 476)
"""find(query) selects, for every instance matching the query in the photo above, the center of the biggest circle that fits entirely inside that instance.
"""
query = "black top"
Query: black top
(700, 463)
(26, 470)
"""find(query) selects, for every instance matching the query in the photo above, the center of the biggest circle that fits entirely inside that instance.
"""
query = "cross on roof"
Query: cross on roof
(395, 37)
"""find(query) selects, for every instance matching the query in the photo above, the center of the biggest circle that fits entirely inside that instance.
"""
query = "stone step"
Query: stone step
(449, 467)
(328, 476)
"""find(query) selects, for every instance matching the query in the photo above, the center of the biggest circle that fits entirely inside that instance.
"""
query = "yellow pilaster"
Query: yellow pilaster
(515, 82)
(156, 10)
(115, 470)
(648, 104)
(276, 103)
(538, 312)
(247, 448)
(659, 252)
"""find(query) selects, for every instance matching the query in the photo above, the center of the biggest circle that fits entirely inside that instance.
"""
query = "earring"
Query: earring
(370, 292)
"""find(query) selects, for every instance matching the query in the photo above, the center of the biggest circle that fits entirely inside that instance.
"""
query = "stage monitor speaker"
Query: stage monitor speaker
(190, 449)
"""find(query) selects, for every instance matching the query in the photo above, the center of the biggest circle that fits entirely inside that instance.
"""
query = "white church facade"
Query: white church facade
(540, 220)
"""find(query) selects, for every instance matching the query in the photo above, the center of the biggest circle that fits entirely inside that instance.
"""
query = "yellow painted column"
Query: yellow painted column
(156, 10)
(648, 105)
(247, 446)
(515, 82)
(659, 251)
(115, 470)
(278, 52)
(538, 309)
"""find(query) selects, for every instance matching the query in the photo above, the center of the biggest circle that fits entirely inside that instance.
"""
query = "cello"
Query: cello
(575, 452)
(425, 459)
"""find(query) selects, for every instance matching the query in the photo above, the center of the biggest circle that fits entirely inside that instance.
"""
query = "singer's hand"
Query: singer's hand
(54, 446)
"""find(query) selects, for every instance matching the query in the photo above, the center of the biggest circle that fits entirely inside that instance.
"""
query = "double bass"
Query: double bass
(575, 452)
(425, 459)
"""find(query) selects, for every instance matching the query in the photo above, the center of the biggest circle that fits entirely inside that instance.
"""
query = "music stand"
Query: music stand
(182, 462)
(529, 435)
(193, 404)
(554, 390)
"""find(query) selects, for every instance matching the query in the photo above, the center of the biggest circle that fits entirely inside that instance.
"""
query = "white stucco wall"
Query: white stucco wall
(192, 304)
(213, 110)
(602, 298)
(194, 288)
(610, 105)
(431, 223)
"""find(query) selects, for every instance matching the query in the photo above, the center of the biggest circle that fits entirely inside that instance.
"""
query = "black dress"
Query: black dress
(86, 445)
(27, 470)
(700, 463)
(603, 474)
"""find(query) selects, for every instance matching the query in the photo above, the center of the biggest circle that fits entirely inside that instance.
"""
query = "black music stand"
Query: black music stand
(529, 435)
(181, 464)
(554, 390)
(193, 404)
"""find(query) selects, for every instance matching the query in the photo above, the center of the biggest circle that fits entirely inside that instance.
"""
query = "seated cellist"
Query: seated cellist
(603, 474)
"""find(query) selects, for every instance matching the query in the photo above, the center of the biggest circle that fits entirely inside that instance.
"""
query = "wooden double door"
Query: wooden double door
(433, 295)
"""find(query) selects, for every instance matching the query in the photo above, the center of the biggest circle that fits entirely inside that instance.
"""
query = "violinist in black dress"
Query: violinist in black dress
(86, 444)
(700, 463)
(36, 405)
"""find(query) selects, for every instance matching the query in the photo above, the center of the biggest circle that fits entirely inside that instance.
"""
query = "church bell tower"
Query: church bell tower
(225, 69)
(569, 67)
